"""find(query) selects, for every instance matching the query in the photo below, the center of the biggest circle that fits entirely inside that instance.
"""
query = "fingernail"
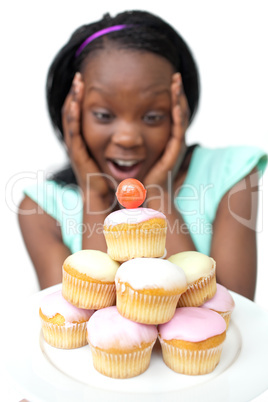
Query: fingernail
(179, 89)
(77, 76)
(75, 84)
(177, 75)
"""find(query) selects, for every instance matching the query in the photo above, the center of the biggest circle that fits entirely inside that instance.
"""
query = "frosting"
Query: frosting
(93, 263)
(132, 216)
(222, 301)
(193, 324)
(144, 273)
(195, 265)
(54, 303)
(108, 329)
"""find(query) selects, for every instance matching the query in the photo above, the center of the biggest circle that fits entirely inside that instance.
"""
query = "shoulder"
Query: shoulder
(213, 172)
(54, 198)
(224, 167)
(238, 156)
(36, 225)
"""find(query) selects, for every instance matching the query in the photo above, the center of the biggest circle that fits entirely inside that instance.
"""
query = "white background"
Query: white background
(229, 41)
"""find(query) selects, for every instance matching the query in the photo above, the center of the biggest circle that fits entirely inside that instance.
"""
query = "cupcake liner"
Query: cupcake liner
(88, 295)
(65, 337)
(190, 362)
(127, 244)
(198, 293)
(227, 316)
(121, 365)
(145, 308)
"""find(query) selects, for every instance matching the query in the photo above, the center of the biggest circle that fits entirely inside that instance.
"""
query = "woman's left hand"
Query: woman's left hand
(158, 175)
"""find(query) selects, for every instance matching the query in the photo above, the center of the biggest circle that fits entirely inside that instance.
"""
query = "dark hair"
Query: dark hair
(148, 32)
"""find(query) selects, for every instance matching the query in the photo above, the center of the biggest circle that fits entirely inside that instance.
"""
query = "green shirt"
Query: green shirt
(212, 172)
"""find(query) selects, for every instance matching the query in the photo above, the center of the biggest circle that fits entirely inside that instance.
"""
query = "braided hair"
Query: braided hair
(147, 33)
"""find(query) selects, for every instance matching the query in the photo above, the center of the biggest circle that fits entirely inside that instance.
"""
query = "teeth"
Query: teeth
(125, 163)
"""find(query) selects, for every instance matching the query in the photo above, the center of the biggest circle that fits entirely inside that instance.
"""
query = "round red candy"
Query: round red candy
(130, 193)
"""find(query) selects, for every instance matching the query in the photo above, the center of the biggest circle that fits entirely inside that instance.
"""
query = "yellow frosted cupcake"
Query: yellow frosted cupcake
(133, 233)
(222, 303)
(200, 271)
(148, 289)
(192, 340)
(120, 348)
(88, 279)
(63, 325)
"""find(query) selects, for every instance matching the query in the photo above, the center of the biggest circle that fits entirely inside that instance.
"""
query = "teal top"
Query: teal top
(212, 172)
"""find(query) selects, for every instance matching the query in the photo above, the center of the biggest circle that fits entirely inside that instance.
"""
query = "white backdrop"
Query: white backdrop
(229, 41)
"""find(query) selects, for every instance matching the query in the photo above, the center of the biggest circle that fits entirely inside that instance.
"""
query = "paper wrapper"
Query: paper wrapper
(199, 292)
(191, 362)
(88, 295)
(227, 316)
(65, 336)
(121, 365)
(127, 244)
(145, 308)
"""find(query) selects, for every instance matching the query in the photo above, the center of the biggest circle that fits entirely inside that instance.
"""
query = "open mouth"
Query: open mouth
(122, 169)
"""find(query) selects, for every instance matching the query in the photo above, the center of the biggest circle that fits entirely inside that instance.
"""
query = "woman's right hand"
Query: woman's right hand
(83, 164)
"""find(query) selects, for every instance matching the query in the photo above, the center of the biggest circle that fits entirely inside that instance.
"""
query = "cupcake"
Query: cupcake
(200, 271)
(136, 232)
(192, 340)
(148, 289)
(88, 279)
(222, 303)
(120, 348)
(63, 325)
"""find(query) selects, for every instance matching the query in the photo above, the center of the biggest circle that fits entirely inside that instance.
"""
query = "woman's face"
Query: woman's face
(126, 111)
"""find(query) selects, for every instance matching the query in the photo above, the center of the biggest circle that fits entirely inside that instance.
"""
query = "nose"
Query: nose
(127, 135)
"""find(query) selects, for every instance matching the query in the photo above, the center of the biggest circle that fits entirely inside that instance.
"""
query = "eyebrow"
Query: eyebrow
(155, 93)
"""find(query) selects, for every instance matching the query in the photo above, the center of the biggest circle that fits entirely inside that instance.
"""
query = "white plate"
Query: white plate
(44, 373)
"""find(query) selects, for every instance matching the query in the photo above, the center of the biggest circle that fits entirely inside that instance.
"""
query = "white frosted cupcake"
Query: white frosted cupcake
(192, 340)
(63, 325)
(88, 279)
(148, 289)
(222, 303)
(133, 233)
(200, 271)
(120, 348)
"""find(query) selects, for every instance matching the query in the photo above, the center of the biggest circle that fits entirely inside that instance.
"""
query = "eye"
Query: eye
(103, 116)
(153, 118)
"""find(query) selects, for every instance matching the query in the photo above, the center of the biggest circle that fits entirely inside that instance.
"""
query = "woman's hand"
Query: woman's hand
(82, 163)
(168, 162)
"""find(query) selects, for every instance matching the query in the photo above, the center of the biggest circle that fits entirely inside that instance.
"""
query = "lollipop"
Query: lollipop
(130, 193)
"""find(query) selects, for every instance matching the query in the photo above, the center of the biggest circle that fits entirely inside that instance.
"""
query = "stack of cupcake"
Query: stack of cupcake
(154, 296)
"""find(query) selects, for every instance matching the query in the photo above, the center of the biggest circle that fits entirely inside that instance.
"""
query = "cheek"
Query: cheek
(92, 135)
(157, 141)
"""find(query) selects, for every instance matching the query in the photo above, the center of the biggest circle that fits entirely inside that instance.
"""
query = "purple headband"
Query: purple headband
(97, 34)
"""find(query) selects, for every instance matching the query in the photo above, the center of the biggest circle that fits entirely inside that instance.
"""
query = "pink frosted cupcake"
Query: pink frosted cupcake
(192, 340)
(148, 289)
(63, 325)
(137, 232)
(222, 303)
(120, 348)
(200, 271)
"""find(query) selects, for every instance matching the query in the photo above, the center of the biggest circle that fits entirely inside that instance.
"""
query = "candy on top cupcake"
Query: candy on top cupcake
(134, 231)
